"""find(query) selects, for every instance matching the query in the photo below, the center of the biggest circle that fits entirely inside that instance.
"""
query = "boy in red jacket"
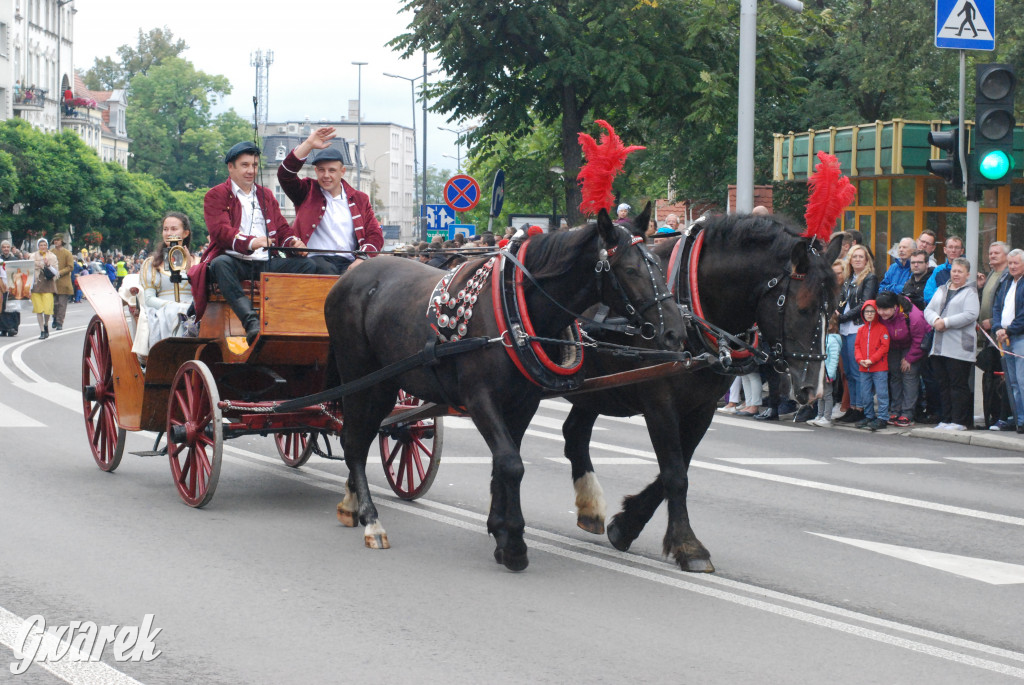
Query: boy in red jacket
(871, 350)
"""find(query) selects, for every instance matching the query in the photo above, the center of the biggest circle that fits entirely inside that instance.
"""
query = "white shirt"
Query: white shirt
(1009, 305)
(336, 230)
(253, 222)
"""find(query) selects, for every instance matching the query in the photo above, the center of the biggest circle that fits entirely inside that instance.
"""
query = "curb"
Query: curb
(975, 438)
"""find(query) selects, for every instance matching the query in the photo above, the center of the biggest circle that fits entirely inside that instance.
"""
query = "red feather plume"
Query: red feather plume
(831, 193)
(604, 162)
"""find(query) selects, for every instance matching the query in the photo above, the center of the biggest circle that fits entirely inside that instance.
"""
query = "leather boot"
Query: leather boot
(249, 318)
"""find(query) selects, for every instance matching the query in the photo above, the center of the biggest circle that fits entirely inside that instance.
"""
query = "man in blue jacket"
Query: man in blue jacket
(1008, 324)
(953, 248)
(899, 272)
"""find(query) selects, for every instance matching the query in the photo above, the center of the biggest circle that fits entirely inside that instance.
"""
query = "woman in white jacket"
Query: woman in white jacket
(161, 308)
(952, 312)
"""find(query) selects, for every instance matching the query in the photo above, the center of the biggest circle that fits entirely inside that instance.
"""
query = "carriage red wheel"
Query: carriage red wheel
(294, 448)
(106, 438)
(411, 452)
(195, 434)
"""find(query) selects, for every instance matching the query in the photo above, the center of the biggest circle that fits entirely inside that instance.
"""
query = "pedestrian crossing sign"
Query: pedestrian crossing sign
(965, 24)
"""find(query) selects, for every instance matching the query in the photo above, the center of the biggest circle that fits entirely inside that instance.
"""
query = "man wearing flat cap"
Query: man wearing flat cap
(65, 288)
(243, 220)
(329, 213)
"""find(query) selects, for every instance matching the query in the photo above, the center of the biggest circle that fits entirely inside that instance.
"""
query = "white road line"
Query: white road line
(984, 570)
(988, 460)
(75, 672)
(12, 418)
(773, 461)
(626, 564)
(888, 460)
(606, 461)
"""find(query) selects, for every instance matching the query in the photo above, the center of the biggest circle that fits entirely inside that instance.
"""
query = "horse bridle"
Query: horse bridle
(778, 354)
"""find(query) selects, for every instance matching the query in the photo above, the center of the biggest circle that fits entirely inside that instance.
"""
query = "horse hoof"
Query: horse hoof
(697, 565)
(347, 518)
(617, 538)
(591, 524)
(516, 563)
(378, 541)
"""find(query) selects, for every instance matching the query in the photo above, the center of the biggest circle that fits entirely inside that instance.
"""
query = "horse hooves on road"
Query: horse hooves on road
(512, 563)
(347, 518)
(617, 537)
(696, 565)
(377, 541)
(591, 524)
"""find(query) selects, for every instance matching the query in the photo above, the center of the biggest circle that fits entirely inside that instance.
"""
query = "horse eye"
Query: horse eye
(630, 271)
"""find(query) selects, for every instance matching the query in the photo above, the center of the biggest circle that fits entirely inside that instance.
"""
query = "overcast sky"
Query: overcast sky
(314, 46)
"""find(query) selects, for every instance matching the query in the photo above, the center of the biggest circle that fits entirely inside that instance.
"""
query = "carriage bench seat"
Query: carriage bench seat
(290, 306)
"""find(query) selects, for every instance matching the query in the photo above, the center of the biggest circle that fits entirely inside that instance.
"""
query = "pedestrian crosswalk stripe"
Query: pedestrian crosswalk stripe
(888, 460)
(12, 418)
(989, 460)
(771, 461)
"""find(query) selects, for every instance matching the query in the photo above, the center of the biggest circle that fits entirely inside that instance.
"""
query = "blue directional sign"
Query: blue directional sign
(439, 217)
(467, 230)
(498, 193)
(461, 193)
(965, 24)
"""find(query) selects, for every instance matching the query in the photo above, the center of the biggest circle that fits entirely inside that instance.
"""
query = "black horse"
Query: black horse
(750, 269)
(376, 316)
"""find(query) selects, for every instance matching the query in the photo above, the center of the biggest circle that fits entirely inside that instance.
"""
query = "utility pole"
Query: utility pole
(359, 126)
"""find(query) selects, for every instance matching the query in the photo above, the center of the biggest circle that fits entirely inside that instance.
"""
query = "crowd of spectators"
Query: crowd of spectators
(907, 343)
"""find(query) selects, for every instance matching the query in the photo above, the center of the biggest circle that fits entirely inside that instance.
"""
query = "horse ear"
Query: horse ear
(606, 228)
(835, 248)
(801, 256)
(641, 223)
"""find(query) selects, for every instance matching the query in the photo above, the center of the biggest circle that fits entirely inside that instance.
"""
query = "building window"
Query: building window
(394, 169)
(408, 171)
(408, 198)
(280, 196)
(3, 39)
(394, 197)
(282, 152)
(408, 143)
(395, 140)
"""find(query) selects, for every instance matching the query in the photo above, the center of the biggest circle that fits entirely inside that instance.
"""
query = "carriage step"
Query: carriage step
(150, 453)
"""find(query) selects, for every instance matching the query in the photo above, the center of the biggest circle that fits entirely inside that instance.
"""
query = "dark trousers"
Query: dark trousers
(331, 264)
(60, 308)
(994, 393)
(953, 376)
(229, 272)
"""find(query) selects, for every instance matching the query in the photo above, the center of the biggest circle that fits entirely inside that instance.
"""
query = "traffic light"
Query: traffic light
(992, 162)
(948, 168)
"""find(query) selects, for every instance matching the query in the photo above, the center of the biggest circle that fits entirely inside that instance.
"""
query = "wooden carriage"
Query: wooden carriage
(201, 391)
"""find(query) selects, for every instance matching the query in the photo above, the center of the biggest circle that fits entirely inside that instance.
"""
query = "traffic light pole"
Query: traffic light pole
(973, 206)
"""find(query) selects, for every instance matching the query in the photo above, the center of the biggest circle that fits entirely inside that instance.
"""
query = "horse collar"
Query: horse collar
(447, 312)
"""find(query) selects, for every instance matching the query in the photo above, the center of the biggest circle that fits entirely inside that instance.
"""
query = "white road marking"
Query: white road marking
(12, 418)
(664, 574)
(985, 570)
(485, 461)
(754, 424)
(888, 460)
(606, 461)
(988, 460)
(75, 672)
(772, 461)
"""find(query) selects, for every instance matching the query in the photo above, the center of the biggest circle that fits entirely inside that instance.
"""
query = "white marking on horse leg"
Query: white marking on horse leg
(590, 505)
(348, 509)
(375, 536)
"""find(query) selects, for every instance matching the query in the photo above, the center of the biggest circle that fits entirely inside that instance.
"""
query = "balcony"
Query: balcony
(29, 99)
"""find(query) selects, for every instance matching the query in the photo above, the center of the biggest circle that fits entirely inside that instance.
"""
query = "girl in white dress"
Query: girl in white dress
(162, 310)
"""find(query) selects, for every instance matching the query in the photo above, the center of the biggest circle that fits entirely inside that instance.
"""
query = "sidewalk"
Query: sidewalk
(1000, 440)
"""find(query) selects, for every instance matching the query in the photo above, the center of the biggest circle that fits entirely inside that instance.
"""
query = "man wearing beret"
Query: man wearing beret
(329, 213)
(243, 220)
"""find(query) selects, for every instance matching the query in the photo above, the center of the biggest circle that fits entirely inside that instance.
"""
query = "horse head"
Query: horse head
(632, 282)
(793, 312)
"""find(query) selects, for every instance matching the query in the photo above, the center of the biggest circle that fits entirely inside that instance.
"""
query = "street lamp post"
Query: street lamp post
(458, 163)
(560, 172)
(415, 155)
(359, 126)
(458, 140)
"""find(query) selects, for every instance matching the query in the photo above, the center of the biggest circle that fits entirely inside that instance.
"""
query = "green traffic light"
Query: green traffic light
(994, 165)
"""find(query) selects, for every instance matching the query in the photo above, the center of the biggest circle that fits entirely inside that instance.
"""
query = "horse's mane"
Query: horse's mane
(771, 238)
(554, 254)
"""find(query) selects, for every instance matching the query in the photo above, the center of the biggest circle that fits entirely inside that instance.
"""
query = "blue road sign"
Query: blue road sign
(465, 229)
(965, 24)
(439, 217)
(461, 193)
(498, 193)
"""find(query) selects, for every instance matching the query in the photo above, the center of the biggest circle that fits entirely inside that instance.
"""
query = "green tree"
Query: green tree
(176, 137)
(141, 202)
(152, 49)
(8, 180)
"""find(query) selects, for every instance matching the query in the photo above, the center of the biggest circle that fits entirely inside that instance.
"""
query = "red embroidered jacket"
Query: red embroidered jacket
(310, 206)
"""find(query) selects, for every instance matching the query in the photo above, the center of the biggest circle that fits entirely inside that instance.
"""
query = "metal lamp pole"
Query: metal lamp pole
(415, 155)
(359, 126)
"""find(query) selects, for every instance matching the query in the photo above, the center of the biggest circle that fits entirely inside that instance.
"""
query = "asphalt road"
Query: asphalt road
(841, 557)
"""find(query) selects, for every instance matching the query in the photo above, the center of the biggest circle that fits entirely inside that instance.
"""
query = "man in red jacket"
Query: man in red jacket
(243, 219)
(329, 213)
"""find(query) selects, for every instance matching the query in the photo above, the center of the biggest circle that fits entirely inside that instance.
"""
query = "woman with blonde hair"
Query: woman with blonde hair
(860, 286)
(44, 285)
